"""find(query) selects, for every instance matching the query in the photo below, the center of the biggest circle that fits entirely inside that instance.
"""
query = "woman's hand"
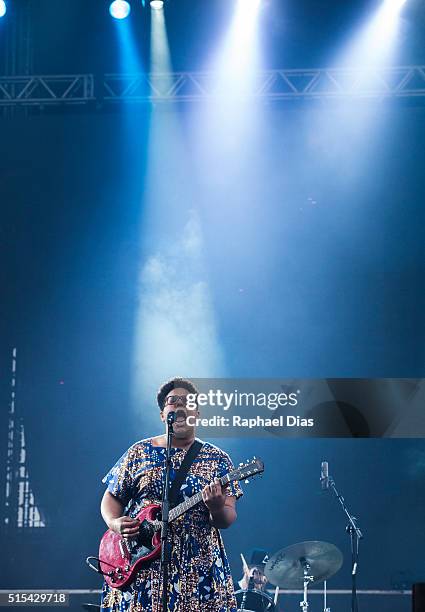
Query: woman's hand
(213, 496)
(125, 526)
(221, 506)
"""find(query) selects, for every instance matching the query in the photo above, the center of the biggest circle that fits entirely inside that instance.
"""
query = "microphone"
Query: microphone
(324, 475)
(171, 417)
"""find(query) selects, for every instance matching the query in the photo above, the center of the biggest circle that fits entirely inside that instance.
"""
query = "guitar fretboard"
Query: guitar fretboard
(189, 503)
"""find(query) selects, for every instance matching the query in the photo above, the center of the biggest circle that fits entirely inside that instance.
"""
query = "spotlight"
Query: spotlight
(119, 9)
(157, 4)
(2, 8)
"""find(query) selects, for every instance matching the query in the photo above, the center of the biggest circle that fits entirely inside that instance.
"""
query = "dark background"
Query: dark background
(334, 288)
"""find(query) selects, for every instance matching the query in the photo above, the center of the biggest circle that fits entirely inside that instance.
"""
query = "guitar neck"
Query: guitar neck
(190, 502)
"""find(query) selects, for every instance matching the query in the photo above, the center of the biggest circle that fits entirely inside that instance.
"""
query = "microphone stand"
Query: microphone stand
(355, 536)
(165, 510)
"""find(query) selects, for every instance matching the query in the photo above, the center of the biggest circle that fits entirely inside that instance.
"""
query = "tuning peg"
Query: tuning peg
(241, 464)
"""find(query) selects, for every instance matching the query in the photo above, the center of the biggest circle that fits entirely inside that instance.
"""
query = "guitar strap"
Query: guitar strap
(182, 472)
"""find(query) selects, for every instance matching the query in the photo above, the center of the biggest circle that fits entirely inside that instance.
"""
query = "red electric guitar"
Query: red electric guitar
(121, 558)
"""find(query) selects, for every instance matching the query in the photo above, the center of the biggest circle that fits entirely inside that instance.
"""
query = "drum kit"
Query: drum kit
(293, 567)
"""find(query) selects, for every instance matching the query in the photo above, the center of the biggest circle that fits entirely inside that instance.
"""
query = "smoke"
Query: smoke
(176, 331)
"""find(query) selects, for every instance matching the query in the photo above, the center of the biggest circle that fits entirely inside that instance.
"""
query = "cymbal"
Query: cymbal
(286, 567)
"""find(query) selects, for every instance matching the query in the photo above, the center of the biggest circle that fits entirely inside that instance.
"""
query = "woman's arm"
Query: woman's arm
(112, 512)
(221, 506)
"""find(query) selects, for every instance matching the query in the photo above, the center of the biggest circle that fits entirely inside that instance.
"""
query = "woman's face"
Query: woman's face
(175, 402)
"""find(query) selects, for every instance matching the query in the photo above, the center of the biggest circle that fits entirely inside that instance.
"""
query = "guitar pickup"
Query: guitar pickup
(125, 553)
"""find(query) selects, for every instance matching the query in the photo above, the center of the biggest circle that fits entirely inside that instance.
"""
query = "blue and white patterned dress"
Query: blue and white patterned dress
(199, 574)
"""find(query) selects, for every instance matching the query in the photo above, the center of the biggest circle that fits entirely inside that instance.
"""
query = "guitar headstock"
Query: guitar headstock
(247, 470)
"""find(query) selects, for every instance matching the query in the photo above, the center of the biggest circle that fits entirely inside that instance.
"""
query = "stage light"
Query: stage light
(119, 9)
(392, 6)
(2, 8)
(239, 50)
(157, 4)
(160, 51)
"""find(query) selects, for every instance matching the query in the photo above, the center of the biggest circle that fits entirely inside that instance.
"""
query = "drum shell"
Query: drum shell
(255, 601)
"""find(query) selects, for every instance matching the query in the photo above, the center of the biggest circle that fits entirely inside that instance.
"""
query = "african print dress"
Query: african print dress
(199, 573)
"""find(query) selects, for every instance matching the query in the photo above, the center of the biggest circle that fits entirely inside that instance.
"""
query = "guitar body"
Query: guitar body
(121, 558)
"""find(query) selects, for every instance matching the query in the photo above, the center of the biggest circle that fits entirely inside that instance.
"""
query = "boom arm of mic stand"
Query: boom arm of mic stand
(351, 519)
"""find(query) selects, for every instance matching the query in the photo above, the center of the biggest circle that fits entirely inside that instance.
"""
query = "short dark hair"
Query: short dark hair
(174, 383)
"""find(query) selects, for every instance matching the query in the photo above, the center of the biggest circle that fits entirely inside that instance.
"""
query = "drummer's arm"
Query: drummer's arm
(244, 582)
(248, 573)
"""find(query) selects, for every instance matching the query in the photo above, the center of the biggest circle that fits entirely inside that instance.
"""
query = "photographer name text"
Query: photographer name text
(250, 423)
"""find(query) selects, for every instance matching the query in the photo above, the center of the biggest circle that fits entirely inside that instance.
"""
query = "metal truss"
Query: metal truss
(343, 83)
(41, 90)
(408, 81)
